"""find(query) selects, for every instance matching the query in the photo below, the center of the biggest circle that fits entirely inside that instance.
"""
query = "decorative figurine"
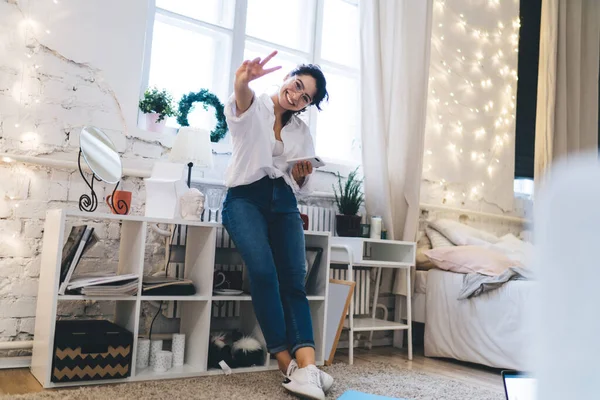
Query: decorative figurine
(192, 205)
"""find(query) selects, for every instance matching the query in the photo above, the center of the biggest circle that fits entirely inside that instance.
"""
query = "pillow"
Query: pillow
(470, 259)
(437, 239)
(513, 248)
(461, 234)
(423, 263)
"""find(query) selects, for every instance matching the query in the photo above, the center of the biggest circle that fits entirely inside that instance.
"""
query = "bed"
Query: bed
(486, 329)
(419, 296)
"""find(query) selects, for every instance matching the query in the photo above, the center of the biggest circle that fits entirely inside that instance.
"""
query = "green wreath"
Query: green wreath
(186, 104)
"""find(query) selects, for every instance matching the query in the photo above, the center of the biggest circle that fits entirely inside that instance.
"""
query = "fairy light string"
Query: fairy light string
(472, 95)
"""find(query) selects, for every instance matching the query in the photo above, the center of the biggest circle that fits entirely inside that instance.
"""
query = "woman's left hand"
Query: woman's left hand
(301, 170)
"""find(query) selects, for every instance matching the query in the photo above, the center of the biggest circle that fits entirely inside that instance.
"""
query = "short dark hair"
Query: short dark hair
(314, 71)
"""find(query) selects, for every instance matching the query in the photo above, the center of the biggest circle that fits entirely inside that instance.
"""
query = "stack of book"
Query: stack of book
(104, 285)
(80, 240)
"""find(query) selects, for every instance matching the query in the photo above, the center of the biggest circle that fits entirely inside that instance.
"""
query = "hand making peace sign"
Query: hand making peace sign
(254, 69)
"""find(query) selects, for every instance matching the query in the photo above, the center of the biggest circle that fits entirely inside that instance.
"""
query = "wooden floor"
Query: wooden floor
(20, 381)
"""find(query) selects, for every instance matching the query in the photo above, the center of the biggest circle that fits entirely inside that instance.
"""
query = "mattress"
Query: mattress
(490, 329)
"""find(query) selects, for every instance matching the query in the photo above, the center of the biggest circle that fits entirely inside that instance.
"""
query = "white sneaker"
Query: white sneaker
(326, 379)
(306, 383)
(291, 368)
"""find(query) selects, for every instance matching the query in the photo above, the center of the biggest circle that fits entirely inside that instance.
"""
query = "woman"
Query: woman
(261, 214)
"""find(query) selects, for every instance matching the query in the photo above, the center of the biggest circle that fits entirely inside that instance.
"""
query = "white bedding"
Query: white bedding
(487, 329)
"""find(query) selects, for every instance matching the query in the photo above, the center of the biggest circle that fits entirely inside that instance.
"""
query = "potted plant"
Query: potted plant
(348, 200)
(157, 105)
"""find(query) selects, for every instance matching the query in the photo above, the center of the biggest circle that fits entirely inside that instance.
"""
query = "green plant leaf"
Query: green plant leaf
(349, 196)
(157, 101)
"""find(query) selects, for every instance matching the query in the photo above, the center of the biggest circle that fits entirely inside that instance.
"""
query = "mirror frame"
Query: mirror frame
(89, 202)
(106, 140)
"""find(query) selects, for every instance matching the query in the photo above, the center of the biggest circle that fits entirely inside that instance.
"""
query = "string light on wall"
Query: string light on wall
(473, 67)
(25, 92)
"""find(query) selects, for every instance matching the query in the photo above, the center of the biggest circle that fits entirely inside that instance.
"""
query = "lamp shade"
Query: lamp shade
(192, 145)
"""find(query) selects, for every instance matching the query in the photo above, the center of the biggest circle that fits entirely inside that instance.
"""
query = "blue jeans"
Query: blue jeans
(263, 221)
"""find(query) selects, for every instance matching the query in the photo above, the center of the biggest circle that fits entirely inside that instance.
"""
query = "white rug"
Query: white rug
(374, 378)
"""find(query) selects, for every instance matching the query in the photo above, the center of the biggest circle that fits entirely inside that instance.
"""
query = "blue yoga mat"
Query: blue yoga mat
(354, 395)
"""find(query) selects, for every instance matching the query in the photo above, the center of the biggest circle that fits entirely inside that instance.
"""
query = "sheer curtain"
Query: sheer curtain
(395, 48)
(567, 105)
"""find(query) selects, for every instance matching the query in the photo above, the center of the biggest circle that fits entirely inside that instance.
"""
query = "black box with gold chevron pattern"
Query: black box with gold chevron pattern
(91, 350)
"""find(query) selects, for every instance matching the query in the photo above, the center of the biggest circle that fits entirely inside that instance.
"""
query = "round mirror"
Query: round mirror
(100, 154)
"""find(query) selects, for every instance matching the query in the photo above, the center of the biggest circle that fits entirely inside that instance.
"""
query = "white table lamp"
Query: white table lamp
(192, 146)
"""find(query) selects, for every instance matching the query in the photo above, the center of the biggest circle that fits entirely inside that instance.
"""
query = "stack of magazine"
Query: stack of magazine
(80, 240)
(104, 285)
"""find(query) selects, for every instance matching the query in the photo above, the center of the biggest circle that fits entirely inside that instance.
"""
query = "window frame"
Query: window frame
(238, 38)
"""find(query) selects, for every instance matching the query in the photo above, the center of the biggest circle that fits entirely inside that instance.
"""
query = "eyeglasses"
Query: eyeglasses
(299, 87)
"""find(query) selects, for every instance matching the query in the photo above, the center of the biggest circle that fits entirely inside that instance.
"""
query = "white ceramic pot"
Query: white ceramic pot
(154, 126)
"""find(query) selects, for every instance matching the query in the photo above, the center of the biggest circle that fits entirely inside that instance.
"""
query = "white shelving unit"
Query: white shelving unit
(376, 253)
(195, 310)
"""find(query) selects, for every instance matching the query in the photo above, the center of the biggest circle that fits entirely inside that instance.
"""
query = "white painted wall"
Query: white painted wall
(470, 142)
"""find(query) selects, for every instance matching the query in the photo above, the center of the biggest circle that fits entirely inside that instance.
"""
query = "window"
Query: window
(523, 187)
(199, 44)
(529, 44)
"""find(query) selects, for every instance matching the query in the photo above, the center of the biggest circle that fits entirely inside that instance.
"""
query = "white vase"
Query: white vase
(178, 349)
(156, 347)
(154, 126)
(143, 353)
(164, 361)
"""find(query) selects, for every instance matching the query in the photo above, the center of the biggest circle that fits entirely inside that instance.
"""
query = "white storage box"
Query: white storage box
(164, 188)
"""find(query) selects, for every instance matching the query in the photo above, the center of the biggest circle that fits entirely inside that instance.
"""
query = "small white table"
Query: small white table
(365, 252)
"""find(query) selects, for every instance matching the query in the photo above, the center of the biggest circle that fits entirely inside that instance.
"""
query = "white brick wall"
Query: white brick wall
(13, 307)
(8, 327)
(58, 99)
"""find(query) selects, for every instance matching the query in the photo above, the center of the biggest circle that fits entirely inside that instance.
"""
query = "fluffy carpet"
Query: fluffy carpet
(374, 378)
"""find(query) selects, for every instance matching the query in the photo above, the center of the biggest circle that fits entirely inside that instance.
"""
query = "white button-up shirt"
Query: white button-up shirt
(254, 140)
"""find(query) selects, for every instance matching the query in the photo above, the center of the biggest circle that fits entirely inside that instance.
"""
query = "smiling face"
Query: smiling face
(297, 92)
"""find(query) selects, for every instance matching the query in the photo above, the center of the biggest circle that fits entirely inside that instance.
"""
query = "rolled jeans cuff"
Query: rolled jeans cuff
(278, 349)
(302, 345)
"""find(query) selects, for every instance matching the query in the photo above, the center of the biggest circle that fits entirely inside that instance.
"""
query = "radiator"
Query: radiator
(362, 290)
(319, 219)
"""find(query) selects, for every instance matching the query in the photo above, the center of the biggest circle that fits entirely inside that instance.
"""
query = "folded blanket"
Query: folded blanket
(475, 284)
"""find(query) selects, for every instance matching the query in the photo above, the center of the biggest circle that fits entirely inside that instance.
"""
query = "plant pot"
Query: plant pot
(348, 225)
(154, 126)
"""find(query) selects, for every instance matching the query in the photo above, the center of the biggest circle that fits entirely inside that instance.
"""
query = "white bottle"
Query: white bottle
(376, 227)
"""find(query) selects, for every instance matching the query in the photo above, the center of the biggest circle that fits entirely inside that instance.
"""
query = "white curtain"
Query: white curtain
(567, 102)
(395, 47)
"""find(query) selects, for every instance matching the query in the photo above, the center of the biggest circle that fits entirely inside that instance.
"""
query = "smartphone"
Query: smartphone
(314, 160)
